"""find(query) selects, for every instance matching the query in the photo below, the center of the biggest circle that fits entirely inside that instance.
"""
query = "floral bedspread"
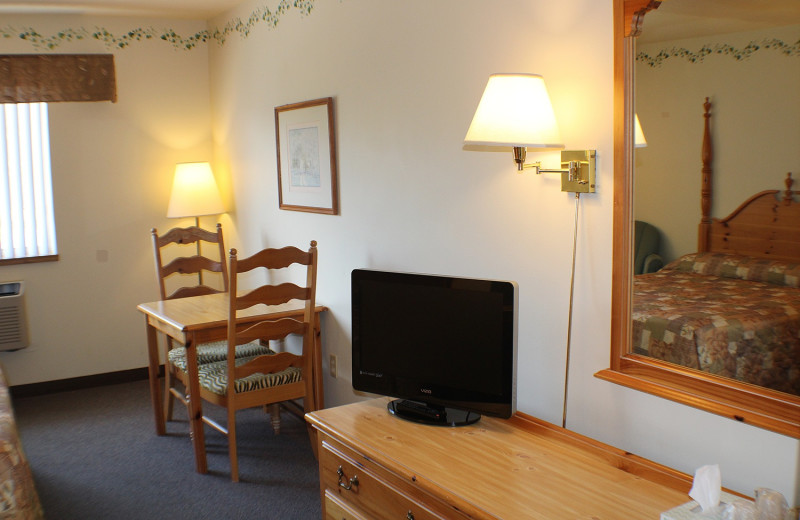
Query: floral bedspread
(18, 498)
(709, 319)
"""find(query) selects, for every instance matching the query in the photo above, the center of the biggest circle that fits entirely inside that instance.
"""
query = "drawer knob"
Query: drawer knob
(348, 485)
(410, 516)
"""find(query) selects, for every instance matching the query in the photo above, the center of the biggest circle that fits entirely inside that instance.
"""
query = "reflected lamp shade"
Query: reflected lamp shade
(515, 111)
(638, 136)
(194, 192)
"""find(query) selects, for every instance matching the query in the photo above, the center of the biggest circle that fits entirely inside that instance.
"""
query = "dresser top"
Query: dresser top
(510, 469)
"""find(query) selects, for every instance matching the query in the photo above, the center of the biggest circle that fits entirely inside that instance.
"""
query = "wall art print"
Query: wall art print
(306, 153)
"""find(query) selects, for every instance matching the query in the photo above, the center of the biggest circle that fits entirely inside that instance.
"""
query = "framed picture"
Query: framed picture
(306, 147)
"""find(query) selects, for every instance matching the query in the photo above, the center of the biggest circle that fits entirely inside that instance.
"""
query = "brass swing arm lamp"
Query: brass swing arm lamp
(515, 111)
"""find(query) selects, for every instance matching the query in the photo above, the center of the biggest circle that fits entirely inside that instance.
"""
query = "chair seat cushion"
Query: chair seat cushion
(214, 377)
(216, 351)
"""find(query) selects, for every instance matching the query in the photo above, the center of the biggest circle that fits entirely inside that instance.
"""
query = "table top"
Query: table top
(211, 310)
(497, 469)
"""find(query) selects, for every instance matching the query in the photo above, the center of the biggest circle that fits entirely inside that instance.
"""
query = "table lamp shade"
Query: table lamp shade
(515, 110)
(194, 192)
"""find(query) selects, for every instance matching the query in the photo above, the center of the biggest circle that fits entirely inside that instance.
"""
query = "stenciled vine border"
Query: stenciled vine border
(725, 49)
(238, 26)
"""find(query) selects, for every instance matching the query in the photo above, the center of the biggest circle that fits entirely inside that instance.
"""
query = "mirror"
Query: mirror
(763, 407)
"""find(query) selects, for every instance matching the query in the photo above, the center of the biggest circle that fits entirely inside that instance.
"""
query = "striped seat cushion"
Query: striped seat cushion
(214, 377)
(216, 351)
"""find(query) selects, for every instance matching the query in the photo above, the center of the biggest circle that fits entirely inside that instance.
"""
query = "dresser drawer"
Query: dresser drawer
(352, 488)
(335, 509)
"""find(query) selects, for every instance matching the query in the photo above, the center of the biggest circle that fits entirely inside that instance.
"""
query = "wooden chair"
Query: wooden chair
(264, 380)
(184, 268)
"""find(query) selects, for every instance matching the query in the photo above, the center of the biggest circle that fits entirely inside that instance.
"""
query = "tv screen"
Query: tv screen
(445, 345)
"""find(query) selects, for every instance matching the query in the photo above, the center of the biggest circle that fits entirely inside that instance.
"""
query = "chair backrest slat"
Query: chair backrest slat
(193, 264)
(272, 295)
(275, 259)
(270, 329)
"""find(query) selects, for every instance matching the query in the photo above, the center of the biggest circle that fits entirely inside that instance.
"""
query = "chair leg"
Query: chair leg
(168, 381)
(275, 416)
(168, 397)
(232, 444)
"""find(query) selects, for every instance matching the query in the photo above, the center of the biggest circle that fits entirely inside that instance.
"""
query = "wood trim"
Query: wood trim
(741, 402)
(623, 189)
(34, 78)
(774, 411)
(624, 460)
(634, 14)
(79, 383)
(29, 260)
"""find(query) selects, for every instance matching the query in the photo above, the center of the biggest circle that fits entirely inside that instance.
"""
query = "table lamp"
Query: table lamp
(194, 192)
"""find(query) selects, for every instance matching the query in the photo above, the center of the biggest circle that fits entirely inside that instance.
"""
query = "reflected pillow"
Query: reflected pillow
(742, 267)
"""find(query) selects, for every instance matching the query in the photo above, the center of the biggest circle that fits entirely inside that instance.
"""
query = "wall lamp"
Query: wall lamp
(515, 111)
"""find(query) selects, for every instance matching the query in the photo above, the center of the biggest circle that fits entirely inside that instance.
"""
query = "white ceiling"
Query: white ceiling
(185, 9)
(677, 19)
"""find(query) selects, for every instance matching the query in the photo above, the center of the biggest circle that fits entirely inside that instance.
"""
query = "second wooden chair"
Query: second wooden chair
(179, 274)
(264, 380)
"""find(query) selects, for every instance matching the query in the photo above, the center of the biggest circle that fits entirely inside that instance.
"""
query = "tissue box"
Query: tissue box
(691, 510)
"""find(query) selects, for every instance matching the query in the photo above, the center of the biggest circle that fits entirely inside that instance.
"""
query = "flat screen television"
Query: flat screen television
(444, 346)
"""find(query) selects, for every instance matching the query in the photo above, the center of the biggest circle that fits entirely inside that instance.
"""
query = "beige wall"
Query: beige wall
(755, 126)
(112, 171)
(406, 78)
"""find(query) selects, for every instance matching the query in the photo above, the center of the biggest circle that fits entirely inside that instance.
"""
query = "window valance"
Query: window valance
(34, 78)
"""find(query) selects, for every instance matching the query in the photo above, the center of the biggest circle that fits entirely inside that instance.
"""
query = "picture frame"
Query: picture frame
(306, 153)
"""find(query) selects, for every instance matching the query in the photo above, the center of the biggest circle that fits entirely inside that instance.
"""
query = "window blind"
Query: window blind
(27, 224)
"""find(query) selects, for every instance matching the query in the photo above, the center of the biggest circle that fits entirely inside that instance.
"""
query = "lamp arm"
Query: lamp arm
(572, 170)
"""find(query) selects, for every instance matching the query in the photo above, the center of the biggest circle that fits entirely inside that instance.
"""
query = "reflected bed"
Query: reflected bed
(733, 308)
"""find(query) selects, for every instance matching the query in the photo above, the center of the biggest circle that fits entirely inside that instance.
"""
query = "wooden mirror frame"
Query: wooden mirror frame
(768, 409)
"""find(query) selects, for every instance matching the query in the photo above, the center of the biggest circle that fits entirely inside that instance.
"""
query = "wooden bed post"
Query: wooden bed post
(705, 190)
(787, 196)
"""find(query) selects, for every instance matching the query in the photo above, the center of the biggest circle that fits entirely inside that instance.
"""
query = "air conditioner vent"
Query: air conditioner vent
(13, 323)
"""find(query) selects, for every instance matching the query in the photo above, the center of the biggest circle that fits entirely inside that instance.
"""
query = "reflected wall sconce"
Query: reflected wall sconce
(638, 136)
(515, 111)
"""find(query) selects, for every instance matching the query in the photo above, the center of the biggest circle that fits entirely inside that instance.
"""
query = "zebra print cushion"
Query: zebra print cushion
(216, 351)
(214, 377)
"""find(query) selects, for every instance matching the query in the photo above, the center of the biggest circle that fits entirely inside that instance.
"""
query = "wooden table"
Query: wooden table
(201, 319)
(376, 466)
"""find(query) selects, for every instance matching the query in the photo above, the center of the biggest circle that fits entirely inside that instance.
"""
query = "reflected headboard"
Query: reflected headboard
(766, 225)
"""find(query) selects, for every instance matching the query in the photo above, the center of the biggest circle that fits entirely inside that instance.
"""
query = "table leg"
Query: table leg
(195, 409)
(319, 394)
(152, 372)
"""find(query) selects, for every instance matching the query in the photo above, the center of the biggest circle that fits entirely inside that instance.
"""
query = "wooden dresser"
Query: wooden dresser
(376, 466)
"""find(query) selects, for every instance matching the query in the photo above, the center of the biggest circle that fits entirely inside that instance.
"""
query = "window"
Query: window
(27, 224)
(27, 83)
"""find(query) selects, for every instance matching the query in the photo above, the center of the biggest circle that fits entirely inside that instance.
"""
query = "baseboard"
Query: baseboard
(79, 383)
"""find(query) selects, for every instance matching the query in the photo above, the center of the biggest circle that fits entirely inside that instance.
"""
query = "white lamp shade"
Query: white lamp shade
(515, 110)
(638, 136)
(194, 192)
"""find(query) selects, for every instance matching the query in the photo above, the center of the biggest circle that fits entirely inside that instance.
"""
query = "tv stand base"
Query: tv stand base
(432, 415)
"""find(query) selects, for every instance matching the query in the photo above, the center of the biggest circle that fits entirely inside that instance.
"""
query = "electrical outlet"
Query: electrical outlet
(332, 365)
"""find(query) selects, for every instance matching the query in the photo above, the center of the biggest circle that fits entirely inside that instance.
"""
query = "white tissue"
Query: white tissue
(706, 487)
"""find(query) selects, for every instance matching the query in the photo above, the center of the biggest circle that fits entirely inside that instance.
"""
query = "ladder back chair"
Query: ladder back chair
(264, 380)
(180, 272)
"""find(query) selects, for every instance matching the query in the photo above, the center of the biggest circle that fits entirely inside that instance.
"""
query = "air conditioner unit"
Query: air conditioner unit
(13, 322)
